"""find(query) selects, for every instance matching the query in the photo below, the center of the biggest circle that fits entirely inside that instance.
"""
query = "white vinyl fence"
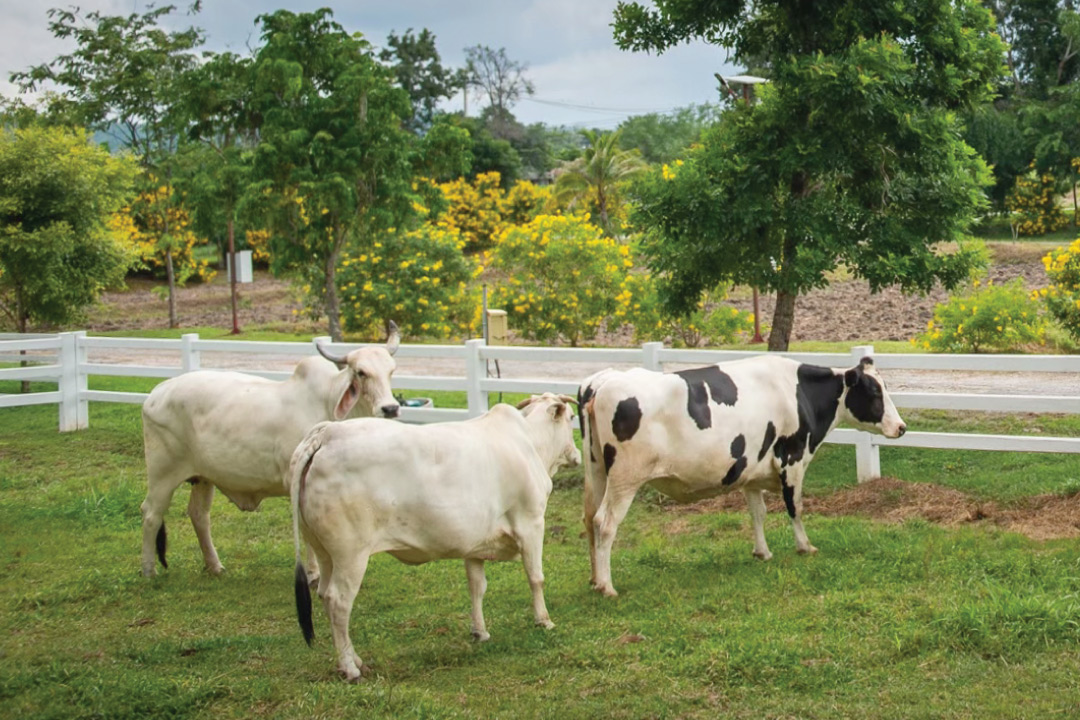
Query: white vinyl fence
(63, 359)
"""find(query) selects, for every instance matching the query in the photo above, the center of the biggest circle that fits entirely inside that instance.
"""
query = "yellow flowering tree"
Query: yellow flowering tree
(1034, 205)
(998, 317)
(563, 278)
(419, 279)
(158, 231)
(710, 323)
(1063, 296)
(481, 209)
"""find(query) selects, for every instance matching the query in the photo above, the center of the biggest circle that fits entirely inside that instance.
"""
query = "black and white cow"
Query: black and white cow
(751, 425)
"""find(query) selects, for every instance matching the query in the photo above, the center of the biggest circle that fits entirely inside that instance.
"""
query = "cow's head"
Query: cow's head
(362, 388)
(551, 422)
(866, 403)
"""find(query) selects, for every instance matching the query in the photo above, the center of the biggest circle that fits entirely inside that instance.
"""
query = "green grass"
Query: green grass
(908, 621)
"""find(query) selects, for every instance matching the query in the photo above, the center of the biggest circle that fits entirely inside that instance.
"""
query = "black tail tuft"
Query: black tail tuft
(303, 604)
(161, 545)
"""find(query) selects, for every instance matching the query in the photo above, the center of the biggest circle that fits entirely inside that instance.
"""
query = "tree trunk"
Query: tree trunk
(332, 310)
(1074, 203)
(783, 322)
(21, 317)
(232, 277)
(171, 275)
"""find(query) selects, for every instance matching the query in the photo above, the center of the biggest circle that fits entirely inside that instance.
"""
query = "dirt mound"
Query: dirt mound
(1043, 517)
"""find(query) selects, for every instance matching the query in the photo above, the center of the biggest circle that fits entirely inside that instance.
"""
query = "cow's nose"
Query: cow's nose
(390, 411)
(903, 429)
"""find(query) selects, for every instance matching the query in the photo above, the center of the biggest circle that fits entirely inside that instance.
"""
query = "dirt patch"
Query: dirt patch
(1043, 517)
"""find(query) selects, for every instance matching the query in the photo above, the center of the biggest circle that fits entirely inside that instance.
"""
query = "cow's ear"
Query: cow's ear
(558, 410)
(346, 392)
(852, 376)
(866, 362)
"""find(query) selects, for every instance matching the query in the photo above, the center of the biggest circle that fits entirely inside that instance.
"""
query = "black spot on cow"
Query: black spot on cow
(817, 396)
(609, 456)
(703, 383)
(738, 452)
(770, 435)
(789, 494)
(584, 395)
(627, 419)
(866, 398)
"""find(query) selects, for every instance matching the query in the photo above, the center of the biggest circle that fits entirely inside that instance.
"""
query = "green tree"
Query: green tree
(122, 79)
(597, 178)
(418, 68)
(662, 137)
(501, 81)
(214, 106)
(852, 154)
(334, 162)
(57, 194)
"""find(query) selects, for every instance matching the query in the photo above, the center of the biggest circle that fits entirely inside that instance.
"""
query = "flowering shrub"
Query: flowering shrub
(1033, 200)
(481, 210)
(1063, 296)
(711, 323)
(1002, 317)
(563, 278)
(154, 224)
(258, 242)
(419, 279)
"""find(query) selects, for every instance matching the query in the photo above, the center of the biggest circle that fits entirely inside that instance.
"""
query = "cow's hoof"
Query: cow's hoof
(216, 570)
(481, 636)
(149, 573)
(607, 591)
(808, 550)
(763, 555)
(546, 624)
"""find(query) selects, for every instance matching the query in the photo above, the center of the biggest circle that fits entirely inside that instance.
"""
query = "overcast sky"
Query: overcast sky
(581, 77)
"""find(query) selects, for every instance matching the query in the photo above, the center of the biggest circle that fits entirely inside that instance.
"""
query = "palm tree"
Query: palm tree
(598, 175)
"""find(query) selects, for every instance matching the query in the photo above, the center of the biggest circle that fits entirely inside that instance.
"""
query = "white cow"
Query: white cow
(237, 433)
(750, 425)
(476, 490)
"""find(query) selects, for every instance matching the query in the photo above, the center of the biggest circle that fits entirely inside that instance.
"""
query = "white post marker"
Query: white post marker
(74, 413)
(474, 373)
(867, 453)
(651, 356)
(189, 356)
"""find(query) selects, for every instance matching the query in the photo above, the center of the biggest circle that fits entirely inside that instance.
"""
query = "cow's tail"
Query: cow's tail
(298, 470)
(162, 542)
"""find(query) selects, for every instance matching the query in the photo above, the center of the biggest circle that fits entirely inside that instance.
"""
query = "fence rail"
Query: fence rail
(64, 358)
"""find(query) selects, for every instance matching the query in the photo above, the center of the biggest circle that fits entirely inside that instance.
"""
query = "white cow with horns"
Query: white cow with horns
(237, 432)
(751, 425)
(476, 490)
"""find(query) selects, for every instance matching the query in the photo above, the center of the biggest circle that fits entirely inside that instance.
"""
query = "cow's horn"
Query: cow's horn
(568, 399)
(339, 360)
(393, 338)
(524, 403)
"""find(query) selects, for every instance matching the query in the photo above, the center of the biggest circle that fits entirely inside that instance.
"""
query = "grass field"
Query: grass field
(887, 621)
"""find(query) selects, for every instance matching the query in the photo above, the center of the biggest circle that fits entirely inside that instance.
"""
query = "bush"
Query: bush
(564, 278)
(152, 225)
(711, 323)
(1034, 200)
(1000, 317)
(1063, 296)
(418, 279)
(481, 210)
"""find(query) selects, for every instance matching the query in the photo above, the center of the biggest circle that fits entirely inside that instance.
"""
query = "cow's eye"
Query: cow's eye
(361, 374)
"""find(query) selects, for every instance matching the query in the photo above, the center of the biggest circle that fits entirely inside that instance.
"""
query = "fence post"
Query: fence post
(867, 454)
(474, 373)
(74, 413)
(651, 356)
(189, 356)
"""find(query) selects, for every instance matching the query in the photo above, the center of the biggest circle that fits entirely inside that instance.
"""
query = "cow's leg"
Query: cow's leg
(755, 499)
(160, 489)
(595, 483)
(613, 509)
(531, 542)
(792, 489)
(474, 570)
(202, 495)
(340, 594)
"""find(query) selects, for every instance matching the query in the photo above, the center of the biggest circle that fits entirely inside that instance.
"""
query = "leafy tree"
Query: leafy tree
(121, 79)
(543, 148)
(1044, 41)
(660, 138)
(480, 210)
(501, 80)
(418, 68)
(57, 194)
(997, 133)
(334, 162)
(852, 154)
(489, 154)
(214, 105)
(596, 179)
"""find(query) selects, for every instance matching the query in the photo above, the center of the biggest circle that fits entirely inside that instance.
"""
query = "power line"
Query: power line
(593, 108)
